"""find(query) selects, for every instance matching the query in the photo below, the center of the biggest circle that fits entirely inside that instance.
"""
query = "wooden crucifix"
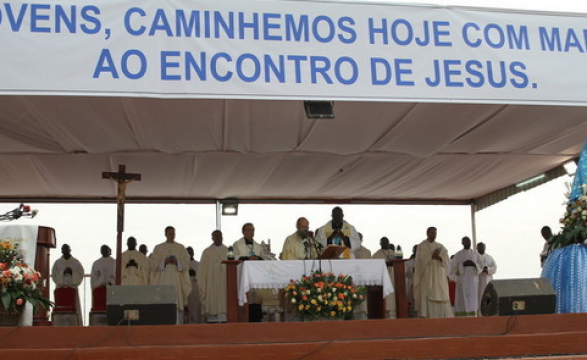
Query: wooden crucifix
(122, 178)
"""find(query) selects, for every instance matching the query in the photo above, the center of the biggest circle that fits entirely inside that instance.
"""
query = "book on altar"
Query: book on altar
(332, 252)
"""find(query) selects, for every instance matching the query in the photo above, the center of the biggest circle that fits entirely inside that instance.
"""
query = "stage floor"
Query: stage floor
(529, 336)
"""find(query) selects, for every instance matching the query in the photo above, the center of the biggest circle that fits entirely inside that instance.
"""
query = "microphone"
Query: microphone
(306, 243)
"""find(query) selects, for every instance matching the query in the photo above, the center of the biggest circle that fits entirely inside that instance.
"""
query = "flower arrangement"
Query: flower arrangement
(324, 295)
(573, 222)
(19, 283)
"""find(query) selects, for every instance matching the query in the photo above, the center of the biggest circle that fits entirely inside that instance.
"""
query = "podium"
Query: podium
(234, 312)
(332, 252)
(376, 304)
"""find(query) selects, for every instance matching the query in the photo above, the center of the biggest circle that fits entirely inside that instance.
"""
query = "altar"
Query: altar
(278, 274)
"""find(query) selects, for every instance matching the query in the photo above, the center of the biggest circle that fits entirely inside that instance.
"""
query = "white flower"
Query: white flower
(355, 296)
(16, 273)
(318, 290)
(293, 301)
(320, 298)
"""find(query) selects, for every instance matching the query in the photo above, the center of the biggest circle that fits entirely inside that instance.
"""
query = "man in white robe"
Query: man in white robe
(246, 248)
(67, 271)
(339, 232)
(466, 271)
(194, 306)
(430, 282)
(144, 250)
(488, 268)
(135, 265)
(299, 245)
(387, 254)
(103, 269)
(171, 267)
(211, 278)
(362, 252)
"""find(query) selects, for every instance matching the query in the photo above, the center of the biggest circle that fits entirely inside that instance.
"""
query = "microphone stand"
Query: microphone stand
(318, 248)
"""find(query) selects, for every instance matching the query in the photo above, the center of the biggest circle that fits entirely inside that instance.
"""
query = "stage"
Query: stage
(531, 336)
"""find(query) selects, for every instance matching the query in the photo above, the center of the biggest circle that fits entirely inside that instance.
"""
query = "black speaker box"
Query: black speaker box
(518, 297)
(141, 305)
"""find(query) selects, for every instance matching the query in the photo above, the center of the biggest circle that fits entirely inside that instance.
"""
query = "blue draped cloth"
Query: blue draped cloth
(567, 270)
(580, 176)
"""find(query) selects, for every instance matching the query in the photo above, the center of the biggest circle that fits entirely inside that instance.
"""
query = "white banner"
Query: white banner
(26, 238)
(269, 49)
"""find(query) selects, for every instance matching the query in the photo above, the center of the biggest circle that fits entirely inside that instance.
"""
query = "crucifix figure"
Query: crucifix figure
(122, 178)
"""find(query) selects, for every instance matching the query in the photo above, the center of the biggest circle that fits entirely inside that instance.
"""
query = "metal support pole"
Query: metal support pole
(218, 215)
(474, 224)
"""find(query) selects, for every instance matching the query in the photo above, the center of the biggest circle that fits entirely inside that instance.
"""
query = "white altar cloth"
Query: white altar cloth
(278, 274)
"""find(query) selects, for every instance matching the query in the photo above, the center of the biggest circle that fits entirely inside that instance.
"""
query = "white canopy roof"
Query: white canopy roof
(56, 147)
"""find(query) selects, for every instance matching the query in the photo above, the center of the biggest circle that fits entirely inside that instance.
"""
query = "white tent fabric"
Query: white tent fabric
(56, 147)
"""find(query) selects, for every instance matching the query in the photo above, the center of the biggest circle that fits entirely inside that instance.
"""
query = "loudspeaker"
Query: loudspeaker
(141, 305)
(518, 297)
(319, 109)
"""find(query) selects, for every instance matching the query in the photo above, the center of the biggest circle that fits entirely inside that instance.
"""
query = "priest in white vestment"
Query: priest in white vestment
(246, 248)
(466, 271)
(171, 267)
(300, 245)
(194, 306)
(387, 254)
(103, 269)
(430, 278)
(135, 265)
(488, 268)
(67, 271)
(362, 252)
(339, 232)
(211, 278)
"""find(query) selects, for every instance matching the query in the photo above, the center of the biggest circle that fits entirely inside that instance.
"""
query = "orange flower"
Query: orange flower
(341, 296)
